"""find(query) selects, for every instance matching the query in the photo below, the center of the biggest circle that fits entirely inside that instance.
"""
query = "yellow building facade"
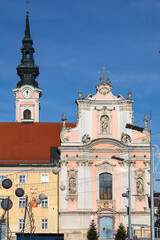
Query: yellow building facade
(40, 218)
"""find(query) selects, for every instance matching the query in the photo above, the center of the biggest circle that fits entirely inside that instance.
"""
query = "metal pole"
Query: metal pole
(58, 201)
(151, 183)
(129, 195)
(24, 221)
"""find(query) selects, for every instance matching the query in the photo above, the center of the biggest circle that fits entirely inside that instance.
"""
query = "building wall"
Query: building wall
(33, 187)
(86, 153)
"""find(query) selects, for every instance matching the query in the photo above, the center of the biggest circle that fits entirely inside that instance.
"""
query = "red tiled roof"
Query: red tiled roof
(28, 143)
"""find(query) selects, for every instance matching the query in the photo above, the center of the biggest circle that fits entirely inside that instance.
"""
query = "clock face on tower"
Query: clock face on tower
(27, 93)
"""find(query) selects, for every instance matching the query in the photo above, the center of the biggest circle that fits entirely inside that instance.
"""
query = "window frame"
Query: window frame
(21, 219)
(43, 219)
(107, 192)
(25, 179)
(23, 199)
(45, 203)
(1, 180)
(44, 175)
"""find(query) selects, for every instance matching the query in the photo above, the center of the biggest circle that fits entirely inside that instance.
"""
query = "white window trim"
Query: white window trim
(19, 201)
(44, 174)
(20, 229)
(4, 177)
(113, 184)
(41, 224)
(47, 204)
(19, 179)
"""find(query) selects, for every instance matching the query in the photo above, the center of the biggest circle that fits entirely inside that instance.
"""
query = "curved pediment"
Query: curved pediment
(101, 141)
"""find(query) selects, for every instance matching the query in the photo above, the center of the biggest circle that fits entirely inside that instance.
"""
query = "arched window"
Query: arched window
(27, 114)
(105, 186)
(27, 54)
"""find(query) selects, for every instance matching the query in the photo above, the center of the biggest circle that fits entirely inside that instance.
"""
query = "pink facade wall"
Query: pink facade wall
(109, 96)
(114, 124)
(95, 124)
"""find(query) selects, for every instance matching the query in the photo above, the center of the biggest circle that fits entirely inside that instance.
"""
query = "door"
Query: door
(106, 227)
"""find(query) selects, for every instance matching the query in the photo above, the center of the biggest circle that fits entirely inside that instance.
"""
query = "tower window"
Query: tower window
(27, 114)
(27, 54)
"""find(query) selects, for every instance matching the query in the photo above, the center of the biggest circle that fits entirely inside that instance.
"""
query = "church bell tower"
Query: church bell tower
(27, 92)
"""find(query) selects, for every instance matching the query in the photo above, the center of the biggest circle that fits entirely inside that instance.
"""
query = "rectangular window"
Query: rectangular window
(21, 202)
(44, 203)
(22, 178)
(105, 186)
(20, 223)
(1, 198)
(2, 177)
(44, 178)
(44, 224)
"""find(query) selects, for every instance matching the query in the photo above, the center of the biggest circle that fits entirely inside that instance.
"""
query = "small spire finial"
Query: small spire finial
(27, 28)
(80, 94)
(64, 119)
(108, 81)
(27, 3)
(129, 94)
(104, 72)
(145, 121)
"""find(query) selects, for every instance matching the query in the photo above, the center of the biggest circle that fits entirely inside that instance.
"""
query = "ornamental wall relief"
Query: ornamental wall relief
(72, 184)
(104, 124)
(86, 139)
(139, 184)
(125, 138)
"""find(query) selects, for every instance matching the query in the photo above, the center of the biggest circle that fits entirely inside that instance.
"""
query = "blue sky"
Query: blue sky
(73, 40)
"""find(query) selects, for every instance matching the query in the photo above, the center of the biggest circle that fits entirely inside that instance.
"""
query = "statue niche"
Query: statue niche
(140, 188)
(104, 124)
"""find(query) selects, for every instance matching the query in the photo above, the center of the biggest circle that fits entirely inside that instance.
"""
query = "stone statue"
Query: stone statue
(72, 186)
(125, 138)
(86, 139)
(104, 124)
(140, 186)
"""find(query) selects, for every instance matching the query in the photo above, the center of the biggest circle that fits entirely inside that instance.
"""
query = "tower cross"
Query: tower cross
(27, 2)
(104, 72)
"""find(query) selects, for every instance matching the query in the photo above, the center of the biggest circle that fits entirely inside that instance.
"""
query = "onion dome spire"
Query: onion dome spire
(27, 28)
(27, 70)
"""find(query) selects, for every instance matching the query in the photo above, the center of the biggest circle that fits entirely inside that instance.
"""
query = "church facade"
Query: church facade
(95, 160)
(97, 153)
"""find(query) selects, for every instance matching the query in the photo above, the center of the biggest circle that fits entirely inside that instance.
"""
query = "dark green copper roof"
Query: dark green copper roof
(27, 69)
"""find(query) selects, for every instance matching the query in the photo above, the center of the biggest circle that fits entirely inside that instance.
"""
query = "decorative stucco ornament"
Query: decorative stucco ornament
(104, 87)
(125, 138)
(86, 139)
(146, 139)
(139, 185)
(104, 124)
(64, 130)
(42, 196)
(62, 187)
(55, 170)
(72, 184)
